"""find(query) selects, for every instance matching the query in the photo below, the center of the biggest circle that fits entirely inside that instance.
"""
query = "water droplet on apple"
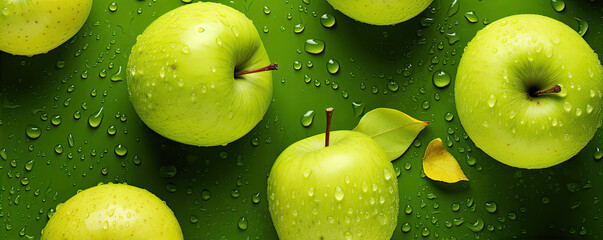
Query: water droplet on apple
(299, 28)
(200, 29)
(307, 172)
(441, 78)
(471, 17)
(567, 106)
(5, 11)
(95, 119)
(327, 20)
(358, 108)
(338, 194)
(332, 66)
(314, 46)
(387, 174)
(558, 5)
(492, 100)
(186, 49)
(555, 40)
(219, 41)
(578, 111)
(307, 118)
(348, 235)
(113, 6)
(311, 191)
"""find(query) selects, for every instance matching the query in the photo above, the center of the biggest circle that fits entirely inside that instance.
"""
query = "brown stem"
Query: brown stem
(273, 66)
(328, 131)
(554, 89)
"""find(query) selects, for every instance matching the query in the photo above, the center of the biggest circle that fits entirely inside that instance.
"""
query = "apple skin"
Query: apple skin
(37, 26)
(181, 75)
(113, 211)
(348, 189)
(499, 67)
(380, 12)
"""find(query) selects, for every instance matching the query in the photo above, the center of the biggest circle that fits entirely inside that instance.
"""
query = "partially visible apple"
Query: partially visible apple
(346, 190)
(529, 91)
(113, 211)
(380, 12)
(197, 75)
(31, 27)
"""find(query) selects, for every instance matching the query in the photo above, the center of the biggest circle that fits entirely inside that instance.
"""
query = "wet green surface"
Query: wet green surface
(211, 189)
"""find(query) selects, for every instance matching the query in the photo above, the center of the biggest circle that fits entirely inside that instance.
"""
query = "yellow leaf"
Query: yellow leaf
(439, 165)
(393, 130)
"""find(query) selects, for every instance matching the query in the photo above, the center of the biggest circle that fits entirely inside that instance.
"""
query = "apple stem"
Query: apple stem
(554, 89)
(328, 131)
(272, 66)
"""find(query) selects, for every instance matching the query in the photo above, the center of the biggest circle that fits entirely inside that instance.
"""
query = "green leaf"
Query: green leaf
(393, 130)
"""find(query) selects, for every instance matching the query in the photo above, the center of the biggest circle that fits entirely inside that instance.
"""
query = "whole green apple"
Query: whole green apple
(528, 91)
(346, 190)
(195, 75)
(380, 12)
(30, 27)
(113, 211)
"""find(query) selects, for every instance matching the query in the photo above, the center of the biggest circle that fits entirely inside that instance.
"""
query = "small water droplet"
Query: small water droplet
(452, 38)
(242, 223)
(358, 108)
(406, 227)
(314, 46)
(583, 26)
(332, 66)
(408, 209)
(453, 8)
(299, 28)
(205, 195)
(492, 100)
(120, 150)
(255, 198)
(339, 194)
(307, 118)
(448, 116)
(113, 6)
(477, 226)
(267, 10)
(558, 5)
(58, 148)
(597, 154)
(471, 17)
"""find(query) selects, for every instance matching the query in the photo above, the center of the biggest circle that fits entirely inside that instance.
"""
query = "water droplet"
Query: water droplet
(327, 20)
(58, 148)
(33, 131)
(583, 26)
(567, 106)
(242, 223)
(471, 17)
(60, 63)
(314, 46)
(307, 118)
(235, 193)
(56, 120)
(426, 22)
(111, 130)
(205, 195)
(95, 119)
(448, 116)
(425, 105)
(168, 171)
(267, 10)
(406, 227)
(117, 76)
(452, 38)
(477, 226)
(558, 5)
(597, 154)
(344, 94)
(113, 6)
(408, 209)
(120, 150)
(29, 165)
(491, 207)
(255, 198)
(299, 28)
(455, 207)
(338, 194)
(332, 66)
(453, 8)
(425, 232)
(393, 86)
(441, 78)
(492, 100)
(358, 108)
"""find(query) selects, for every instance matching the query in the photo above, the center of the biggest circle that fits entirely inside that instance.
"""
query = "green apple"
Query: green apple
(380, 12)
(347, 190)
(528, 91)
(197, 75)
(113, 211)
(30, 27)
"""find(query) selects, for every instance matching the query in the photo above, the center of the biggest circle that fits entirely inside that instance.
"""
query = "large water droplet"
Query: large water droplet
(471, 17)
(491, 207)
(242, 223)
(307, 118)
(477, 226)
(314, 46)
(95, 119)
(332, 66)
(327, 20)
(492, 100)
(33, 131)
(558, 5)
(113, 6)
(339, 194)
(583, 26)
(299, 28)
(120, 150)
(453, 8)
(358, 108)
(441, 78)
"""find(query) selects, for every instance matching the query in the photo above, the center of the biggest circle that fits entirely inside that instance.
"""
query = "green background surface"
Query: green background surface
(562, 201)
